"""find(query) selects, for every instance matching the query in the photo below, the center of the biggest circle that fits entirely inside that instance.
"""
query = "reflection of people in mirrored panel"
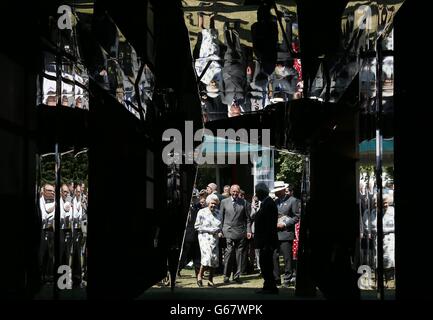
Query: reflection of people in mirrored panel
(46, 254)
(367, 77)
(78, 103)
(364, 208)
(290, 38)
(128, 70)
(84, 197)
(65, 225)
(212, 106)
(84, 204)
(234, 71)
(282, 83)
(291, 44)
(65, 101)
(264, 35)
(209, 52)
(235, 109)
(100, 72)
(258, 89)
(77, 215)
(51, 99)
(71, 188)
(388, 68)
(128, 60)
(146, 84)
(388, 238)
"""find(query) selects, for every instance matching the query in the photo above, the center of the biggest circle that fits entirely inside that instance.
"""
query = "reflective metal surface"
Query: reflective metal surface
(362, 24)
(246, 56)
(368, 76)
(64, 78)
(63, 207)
(95, 48)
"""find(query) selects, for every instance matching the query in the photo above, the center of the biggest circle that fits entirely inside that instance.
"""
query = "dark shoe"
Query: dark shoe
(211, 284)
(200, 283)
(237, 280)
(226, 280)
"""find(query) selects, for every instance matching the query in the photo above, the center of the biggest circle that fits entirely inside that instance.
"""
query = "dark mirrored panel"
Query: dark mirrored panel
(119, 70)
(362, 24)
(63, 79)
(368, 209)
(368, 79)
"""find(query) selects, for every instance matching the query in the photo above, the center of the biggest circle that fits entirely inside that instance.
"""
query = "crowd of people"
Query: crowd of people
(73, 231)
(368, 221)
(229, 235)
(235, 79)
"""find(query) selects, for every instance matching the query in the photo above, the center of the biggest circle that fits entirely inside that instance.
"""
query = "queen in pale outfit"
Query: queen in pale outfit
(208, 227)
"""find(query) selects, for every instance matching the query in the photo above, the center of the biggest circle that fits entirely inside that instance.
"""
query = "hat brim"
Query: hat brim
(212, 94)
(278, 189)
(277, 100)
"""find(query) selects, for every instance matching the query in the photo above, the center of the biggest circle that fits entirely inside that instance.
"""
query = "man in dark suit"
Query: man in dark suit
(236, 229)
(264, 35)
(234, 70)
(266, 236)
(288, 216)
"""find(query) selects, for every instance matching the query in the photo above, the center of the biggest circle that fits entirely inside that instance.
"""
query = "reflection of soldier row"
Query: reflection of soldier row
(368, 226)
(73, 231)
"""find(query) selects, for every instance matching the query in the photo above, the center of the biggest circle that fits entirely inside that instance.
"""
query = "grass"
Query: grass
(224, 11)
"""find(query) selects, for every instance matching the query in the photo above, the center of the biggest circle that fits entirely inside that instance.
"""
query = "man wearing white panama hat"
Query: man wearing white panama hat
(288, 216)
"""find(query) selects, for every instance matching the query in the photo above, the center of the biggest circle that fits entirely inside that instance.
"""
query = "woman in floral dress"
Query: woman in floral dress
(208, 227)
(209, 51)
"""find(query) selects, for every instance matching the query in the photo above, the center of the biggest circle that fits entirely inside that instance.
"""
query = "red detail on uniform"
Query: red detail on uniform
(297, 63)
(296, 242)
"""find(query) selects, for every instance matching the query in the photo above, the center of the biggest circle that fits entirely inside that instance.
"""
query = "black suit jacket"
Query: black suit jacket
(237, 222)
(265, 225)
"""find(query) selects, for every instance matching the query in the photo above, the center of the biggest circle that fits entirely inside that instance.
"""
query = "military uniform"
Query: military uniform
(65, 230)
(46, 253)
(288, 214)
(77, 246)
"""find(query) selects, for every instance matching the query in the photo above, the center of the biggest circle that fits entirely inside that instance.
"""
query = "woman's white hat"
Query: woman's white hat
(279, 185)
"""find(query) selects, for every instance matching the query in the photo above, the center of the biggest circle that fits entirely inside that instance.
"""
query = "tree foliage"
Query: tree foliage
(73, 169)
(289, 168)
